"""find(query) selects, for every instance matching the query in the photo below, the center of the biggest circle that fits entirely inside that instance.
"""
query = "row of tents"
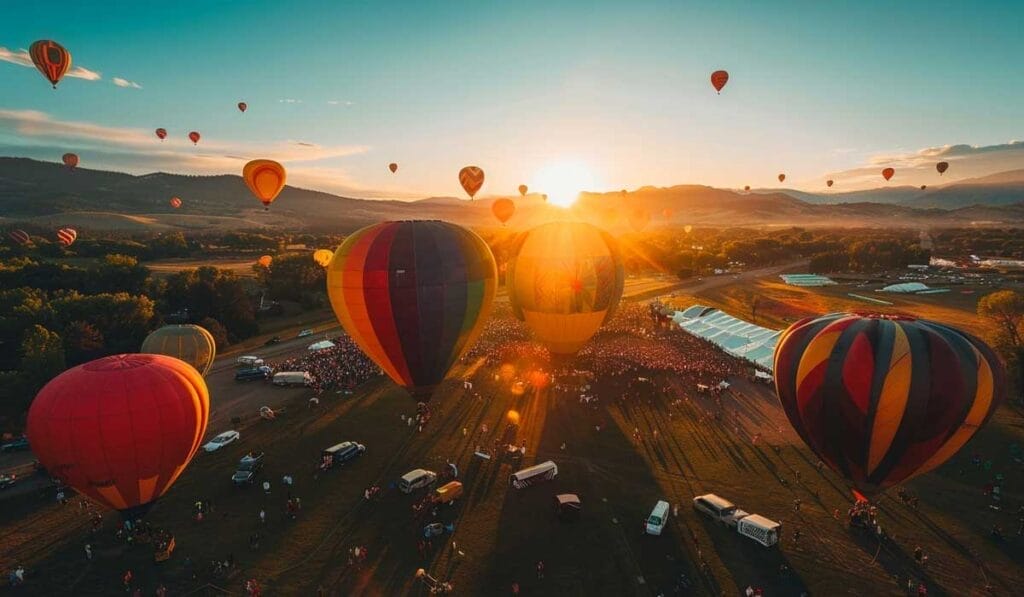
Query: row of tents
(733, 335)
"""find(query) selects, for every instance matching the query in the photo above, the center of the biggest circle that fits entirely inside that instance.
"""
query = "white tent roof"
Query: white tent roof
(733, 335)
(321, 345)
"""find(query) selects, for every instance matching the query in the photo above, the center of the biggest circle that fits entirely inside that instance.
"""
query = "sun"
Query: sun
(563, 181)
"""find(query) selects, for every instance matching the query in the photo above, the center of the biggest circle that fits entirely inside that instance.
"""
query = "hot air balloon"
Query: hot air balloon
(782, 177)
(265, 260)
(242, 106)
(882, 399)
(471, 178)
(718, 80)
(639, 218)
(70, 160)
(888, 172)
(746, 188)
(194, 137)
(688, 228)
(503, 209)
(19, 236)
(66, 236)
(189, 343)
(565, 280)
(51, 59)
(121, 429)
(942, 167)
(265, 179)
(414, 296)
(829, 183)
(667, 213)
(323, 257)
(393, 167)
(175, 202)
(523, 189)
(924, 186)
(161, 134)
(544, 196)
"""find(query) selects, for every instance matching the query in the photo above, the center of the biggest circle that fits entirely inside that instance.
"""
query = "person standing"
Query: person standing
(540, 569)
(88, 551)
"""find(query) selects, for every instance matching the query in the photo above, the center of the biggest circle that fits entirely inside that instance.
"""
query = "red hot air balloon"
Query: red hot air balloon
(718, 80)
(503, 209)
(194, 137)
(20, 237)
(471, 178)
(393, 167)
(121, 429)
(414, 296)
(942, 167)
(522, 190)
(51, 59)
(70, 160)
(887, 173)
(924, 186)
(746, 188)
(175, 202)
(161, 134)
(66, 236)
(782, 177)
(882, 399)
(829, 183)
(242, 106)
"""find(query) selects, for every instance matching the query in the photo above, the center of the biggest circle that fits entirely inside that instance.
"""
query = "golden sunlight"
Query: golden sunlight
(563, 182)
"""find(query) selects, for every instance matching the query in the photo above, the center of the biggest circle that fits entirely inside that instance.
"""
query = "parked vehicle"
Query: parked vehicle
(259, 373)
(342, 453)
(567, 506)
(7, 481)
(248, 467)
(18, 445)
(718, 509)
(416, 479)
(272, 341)
(760, 529)
(248, 362)
(305, 333)
(221, 440)
(544, 471)
(293, 378)
(655, 523)
(448, 493)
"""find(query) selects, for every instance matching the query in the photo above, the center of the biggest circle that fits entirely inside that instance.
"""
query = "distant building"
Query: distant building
(806, 280)
(906, 288)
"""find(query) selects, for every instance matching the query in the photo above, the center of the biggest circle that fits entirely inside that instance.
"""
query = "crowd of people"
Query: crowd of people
(341, 367)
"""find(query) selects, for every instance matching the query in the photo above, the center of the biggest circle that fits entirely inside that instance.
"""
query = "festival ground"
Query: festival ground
(641, 441)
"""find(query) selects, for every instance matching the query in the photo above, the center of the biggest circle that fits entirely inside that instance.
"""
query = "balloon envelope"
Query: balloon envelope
(414, 296)
(19, 236)
(242, 106)
(393, 167)
(882, 399)
(265, 260)
(829, 183)
(942, 167)
(323, 257)
(503, 209)
(782, 177)
(70, 160)
(471, 178)
(66, 236)
(888, 172)
(718, 79)
(52, 60)
(161, 134)
(265, 178)
(522, 190)
(189, 343)
(565, 280)
(175, 202)
(194, 137)
(120, 429)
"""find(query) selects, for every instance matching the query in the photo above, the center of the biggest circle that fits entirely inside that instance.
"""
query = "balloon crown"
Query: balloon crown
(119, 361)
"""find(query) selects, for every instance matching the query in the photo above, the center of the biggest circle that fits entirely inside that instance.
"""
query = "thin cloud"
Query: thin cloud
(339, 103)
(289, 101)
(125, 83)
(22, 58)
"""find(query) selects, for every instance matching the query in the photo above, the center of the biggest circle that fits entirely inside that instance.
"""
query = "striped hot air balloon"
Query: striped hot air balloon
(19, 236)
(471, 178)
(414, 296)
(51, 58)
(882, 399)
(66, 236)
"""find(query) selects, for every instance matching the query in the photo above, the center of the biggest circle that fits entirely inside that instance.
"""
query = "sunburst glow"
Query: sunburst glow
(563, 181)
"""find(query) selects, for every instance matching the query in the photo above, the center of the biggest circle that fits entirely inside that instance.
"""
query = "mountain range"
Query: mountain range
(48, 194)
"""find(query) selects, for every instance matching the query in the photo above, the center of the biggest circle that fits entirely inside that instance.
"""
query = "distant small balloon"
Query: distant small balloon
(503, 209)
(323, 257)
(175, 202)
(688, 228)
(471, 178)
(829, 182)
(161, 134)
(746, 188)
(20, 237)
(888, 172)
(242, 106)
(393, 167)
(782, 177)
(265, 260)
(70, 160)
(924, 186)
(718, 80)
(942, 167)
(66, 236)
(194, 137)
(523, 189)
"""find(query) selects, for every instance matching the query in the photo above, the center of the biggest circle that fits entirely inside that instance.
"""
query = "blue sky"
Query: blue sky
(816, 90)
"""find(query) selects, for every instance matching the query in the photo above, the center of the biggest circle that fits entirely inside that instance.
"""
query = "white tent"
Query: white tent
(733, 335)
(321, 345)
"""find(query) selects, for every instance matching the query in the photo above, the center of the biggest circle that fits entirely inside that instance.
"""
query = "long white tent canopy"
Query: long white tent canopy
(733, 335)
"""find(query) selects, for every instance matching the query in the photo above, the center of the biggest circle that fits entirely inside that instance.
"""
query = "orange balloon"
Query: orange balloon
(746, 188)
(888, 172)
(265, 179)
(503, 209)
(194, 137)
(522, 190)
(924, 186)
(323, 257)
(265, 260)
(782, 177)
(70, 160)
(393, 167)
(718, 80)
(51, 59)
(829, 183)
(175, 202)
(471, 178)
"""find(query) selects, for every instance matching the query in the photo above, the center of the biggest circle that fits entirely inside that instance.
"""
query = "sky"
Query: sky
(595, 94)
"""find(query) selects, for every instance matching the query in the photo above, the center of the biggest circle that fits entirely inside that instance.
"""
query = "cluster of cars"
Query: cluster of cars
(753, 526)
(253, 368)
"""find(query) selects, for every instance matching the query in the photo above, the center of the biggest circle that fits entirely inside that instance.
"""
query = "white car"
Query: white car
(222, 440)
(304, 333)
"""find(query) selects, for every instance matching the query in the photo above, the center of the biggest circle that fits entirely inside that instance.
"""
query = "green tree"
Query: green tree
(217, 330)
(42, 357)
(82, 342)
(1005, 309)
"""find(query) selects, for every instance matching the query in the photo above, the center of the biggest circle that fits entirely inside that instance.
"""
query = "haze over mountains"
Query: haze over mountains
(44, 193)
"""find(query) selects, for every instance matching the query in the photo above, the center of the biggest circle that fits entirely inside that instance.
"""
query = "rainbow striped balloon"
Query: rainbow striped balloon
(882, 398)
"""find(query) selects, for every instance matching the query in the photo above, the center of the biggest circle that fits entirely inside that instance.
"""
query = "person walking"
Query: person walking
(540, 569)
(88, 551)
(266, 487)
(263, 516)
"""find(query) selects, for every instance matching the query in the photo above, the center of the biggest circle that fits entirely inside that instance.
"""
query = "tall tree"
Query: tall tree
(1005, 309)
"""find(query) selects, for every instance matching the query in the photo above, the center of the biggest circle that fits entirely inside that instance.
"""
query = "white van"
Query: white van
(760, 529)
(248, 362)
(293, 378)
(416, 479)
(544, 471)
(718, 509)
(658, 518)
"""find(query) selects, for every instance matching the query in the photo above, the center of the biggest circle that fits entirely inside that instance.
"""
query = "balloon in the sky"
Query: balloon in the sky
(414, 296)
(688, 228)
(161, 133)
(881, 399)
(942, 167)
(70, 160)
(471, 178)
(639, 218)
(175, 202)
(265, 178)
(565, 280)
(503, 209)
(51, 59)
(121, 429)
(242, 106)
(194, 137)
(20, 237)
(544, 196)
(888, 172)
(523, 189)
(323, 257)
(782, 177)
(265, 260)
(924, 186)
(829, 183)
(746, 188)
(718, 80)
(393, 167)
(190, 343)
(66, 236)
